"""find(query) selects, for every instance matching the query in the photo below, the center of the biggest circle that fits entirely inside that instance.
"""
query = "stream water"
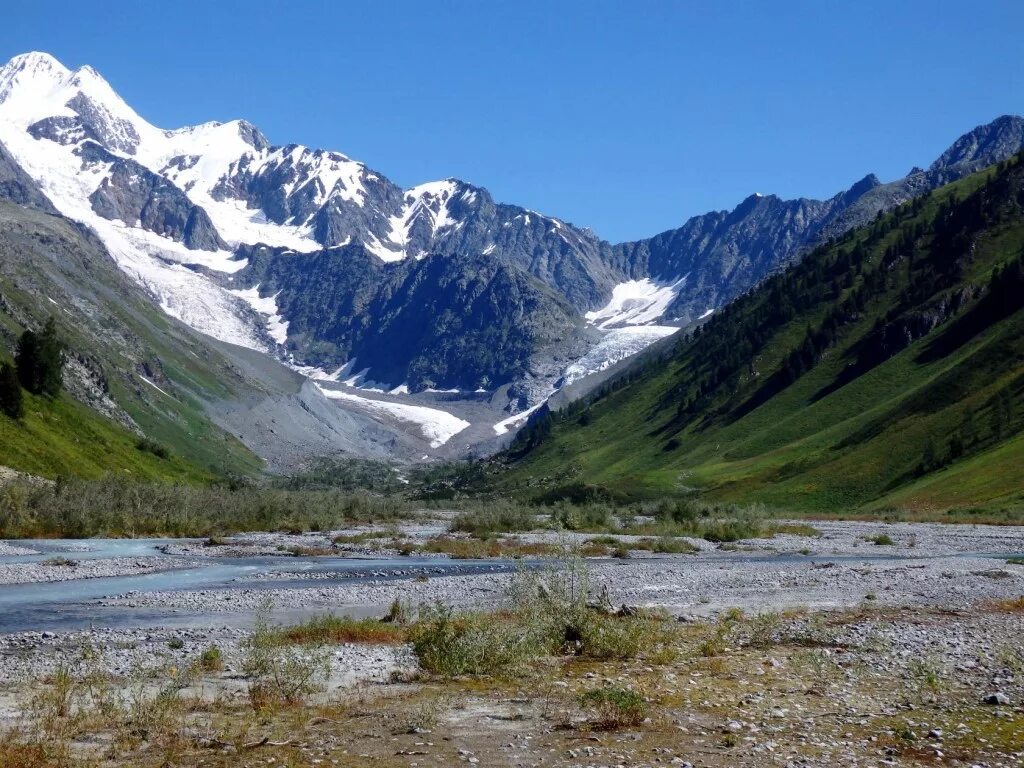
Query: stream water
(66, 605)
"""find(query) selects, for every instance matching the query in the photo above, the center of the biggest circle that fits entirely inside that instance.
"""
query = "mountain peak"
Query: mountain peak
(35, 61)
(36, 70)
(866, 184)
(989, 143)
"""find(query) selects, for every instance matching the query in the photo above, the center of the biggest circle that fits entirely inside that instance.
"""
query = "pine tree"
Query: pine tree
(52, 352)
(27, 361)
(40, 361)
(11, 402)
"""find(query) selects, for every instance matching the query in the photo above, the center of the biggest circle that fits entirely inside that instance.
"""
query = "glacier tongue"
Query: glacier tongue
(435, 425)
(618, 344)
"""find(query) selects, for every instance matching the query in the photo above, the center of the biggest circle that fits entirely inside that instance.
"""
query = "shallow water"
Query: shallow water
(69, 604)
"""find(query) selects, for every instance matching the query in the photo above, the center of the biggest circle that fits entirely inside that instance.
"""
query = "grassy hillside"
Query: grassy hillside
(65, 437)
(884, 371)
(142, 372)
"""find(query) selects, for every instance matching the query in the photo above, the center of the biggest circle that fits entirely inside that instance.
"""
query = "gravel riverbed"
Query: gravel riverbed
(927, 566)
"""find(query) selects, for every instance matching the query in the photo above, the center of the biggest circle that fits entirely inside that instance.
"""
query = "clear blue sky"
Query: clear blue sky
(627, 117)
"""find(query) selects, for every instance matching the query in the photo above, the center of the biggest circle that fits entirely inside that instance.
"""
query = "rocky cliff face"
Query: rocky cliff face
(18, 187)
(443, 321)
(131, 193)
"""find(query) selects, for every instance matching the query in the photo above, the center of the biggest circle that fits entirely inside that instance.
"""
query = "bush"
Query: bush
(452, 644)
(329, 629)
(280, 674)
(211, 660)
(152, 446)
(616, 707)
(119, 506)
(496, 518)
(589, 517)
(604, 636)
(581, 493)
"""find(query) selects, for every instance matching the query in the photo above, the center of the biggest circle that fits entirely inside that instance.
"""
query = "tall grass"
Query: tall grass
(117, 506)
(719, 523)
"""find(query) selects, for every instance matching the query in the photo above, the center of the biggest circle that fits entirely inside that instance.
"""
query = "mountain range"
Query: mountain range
(409, 322)
(884, 371)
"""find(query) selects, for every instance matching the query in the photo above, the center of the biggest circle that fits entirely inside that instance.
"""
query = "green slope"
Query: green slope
(50, 266)
(884, 371)
(65, 437)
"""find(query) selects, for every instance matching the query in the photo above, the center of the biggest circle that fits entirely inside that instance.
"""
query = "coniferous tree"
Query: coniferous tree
(27, 361)
(52, 350)
(40, 361)
(11, 402)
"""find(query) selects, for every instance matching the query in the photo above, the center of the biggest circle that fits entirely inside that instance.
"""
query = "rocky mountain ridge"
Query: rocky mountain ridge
(326, 264)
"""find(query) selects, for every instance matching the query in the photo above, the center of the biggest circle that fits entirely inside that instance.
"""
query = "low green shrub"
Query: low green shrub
(496, 518)
(211, 660)
(451, 644)
(615, 707)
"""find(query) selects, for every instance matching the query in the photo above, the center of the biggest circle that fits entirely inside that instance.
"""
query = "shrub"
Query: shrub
(504, 518)
(604, 636)
(399, 612)
(547, 612)
(451, 644)
(580, 493)
(765, 630)
(615, 707)
(882, 540)
(146, 445)
(666, 545)
(211, 660)
(589, 517)
(118, 506)
(280, 674)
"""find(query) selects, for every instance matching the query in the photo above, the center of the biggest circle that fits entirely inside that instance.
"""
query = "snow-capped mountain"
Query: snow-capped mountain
(177, 208)
(317, 259)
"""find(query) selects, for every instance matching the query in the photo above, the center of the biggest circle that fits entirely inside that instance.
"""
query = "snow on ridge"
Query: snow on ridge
(427, 201)
(435, 425)
(636, 302)
(155, 262)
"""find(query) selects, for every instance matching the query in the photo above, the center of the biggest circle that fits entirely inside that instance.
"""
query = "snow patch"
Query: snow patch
(516, 421)
(154, 386)
(435, 425)
(636, 302)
